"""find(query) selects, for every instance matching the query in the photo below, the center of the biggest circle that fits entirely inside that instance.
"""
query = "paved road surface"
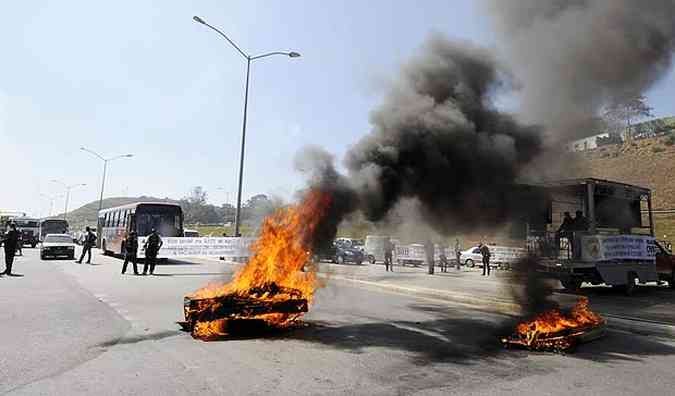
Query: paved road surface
(70, 329)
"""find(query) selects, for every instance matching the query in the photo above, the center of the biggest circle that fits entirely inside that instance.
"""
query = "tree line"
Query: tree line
(197, 210)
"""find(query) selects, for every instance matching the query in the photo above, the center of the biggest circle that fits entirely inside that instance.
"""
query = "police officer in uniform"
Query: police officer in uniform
(89, 242)
(152, 246)
(485, 252)
(10, 242)
(130, 252)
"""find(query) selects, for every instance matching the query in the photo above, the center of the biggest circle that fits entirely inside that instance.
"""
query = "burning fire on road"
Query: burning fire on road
(272, 290)
(556, 331)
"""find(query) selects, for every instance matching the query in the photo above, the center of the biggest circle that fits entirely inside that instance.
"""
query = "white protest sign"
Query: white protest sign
(175, 247)
(618, 247)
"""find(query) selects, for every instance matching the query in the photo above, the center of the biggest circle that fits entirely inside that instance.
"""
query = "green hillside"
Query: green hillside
(86, 215)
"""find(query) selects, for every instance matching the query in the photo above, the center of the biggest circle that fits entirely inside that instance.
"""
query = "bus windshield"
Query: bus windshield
(166, 219)
(54, 227)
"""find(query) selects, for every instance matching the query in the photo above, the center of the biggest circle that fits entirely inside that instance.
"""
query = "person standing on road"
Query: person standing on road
(130, 254)
(10, 241)
(152, 246)
(485, 252)
(388, 255)
(458, 254)
(89, 243)
(429, 250)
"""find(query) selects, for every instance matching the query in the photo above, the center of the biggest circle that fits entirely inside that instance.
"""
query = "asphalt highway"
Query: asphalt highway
(70, 329)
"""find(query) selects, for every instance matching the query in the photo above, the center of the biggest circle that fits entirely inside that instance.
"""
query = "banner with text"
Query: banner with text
(618, 247)
(175, 247)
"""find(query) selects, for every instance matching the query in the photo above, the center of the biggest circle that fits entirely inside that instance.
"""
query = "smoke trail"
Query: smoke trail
(438, 138)
(575, 56)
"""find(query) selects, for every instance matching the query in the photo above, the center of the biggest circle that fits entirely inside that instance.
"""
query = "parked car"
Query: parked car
(57, 245)
(471, 257)
(190, 233)
(340, 255)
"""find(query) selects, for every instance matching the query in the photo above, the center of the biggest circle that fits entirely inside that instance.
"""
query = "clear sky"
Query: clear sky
(141, 77)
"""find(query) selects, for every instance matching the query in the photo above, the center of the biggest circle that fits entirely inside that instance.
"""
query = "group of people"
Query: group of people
(11, 242)
(430, 255)
(571, 228)
(152, 245)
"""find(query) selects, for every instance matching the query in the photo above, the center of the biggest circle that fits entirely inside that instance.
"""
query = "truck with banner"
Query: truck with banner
(596, 231)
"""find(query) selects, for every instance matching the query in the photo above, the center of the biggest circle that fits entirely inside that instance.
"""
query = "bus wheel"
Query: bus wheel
(631, 285)
(672, 280)
(103, 247)
(469, 263)
(33, 245)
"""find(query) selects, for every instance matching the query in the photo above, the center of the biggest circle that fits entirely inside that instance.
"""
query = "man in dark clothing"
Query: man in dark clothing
(10, 242)
(485, 252)
(458, 254)
(89, 243)
(565, 231)
(580, 225)
(388, 255)
(130, 254)
(152, 246)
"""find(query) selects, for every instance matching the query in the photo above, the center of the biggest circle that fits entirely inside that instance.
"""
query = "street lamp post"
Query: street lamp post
(68, 188)
(249, 59)
(51, 199)
(105, 170)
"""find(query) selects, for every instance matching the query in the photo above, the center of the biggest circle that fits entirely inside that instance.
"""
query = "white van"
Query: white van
(374, 247)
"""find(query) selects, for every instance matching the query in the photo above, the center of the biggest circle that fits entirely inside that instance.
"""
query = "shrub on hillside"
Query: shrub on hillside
(658, 149)
(670, 140)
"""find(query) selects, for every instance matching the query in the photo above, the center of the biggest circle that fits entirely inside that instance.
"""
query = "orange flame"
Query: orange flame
(555, 322)
(280, 256)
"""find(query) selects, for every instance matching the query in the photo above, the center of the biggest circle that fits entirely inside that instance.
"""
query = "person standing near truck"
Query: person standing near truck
(485, 252)
(152, 246)
(10, 241)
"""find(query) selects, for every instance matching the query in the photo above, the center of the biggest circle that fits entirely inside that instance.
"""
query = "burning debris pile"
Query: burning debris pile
(272, 290)
(556, 331)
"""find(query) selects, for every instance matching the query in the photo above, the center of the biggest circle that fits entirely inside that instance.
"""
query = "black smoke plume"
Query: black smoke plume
(437, 137)
(574, 57)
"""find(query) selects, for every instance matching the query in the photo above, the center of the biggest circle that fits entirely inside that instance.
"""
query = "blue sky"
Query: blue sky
(141, 77)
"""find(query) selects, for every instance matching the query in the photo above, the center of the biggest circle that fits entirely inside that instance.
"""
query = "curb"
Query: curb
(493, 305)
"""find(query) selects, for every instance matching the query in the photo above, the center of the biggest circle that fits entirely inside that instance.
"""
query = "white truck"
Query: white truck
(610, 244)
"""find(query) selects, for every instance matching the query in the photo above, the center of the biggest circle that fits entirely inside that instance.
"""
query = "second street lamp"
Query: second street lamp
(249, 59)
(68, 188)
(105, 169)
